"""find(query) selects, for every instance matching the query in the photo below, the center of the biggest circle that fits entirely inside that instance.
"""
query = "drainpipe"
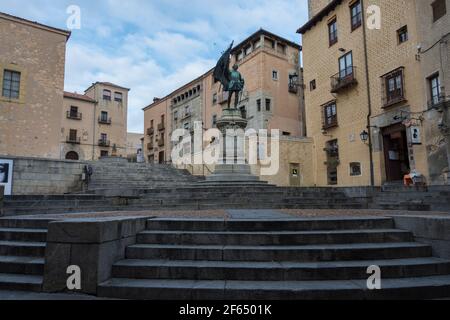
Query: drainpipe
(369, 98)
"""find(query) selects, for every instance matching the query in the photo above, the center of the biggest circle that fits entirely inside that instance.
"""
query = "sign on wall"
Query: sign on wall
(6, 175)
(415, 135)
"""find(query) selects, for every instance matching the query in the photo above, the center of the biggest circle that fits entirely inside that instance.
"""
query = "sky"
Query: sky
(155, 46)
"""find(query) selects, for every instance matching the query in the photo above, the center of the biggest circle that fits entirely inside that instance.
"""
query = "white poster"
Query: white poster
(6, 175)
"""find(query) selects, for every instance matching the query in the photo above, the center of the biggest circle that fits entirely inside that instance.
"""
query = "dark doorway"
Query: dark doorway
(396, 152)
(72, 155)
(161, 157)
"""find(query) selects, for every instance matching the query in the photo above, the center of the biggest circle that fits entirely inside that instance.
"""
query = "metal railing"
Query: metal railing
(150, 131)
(104, 143)
(74, 115)
(73, 140)
(343, 79)
(161, 127)
(439, 102)
(102, 120)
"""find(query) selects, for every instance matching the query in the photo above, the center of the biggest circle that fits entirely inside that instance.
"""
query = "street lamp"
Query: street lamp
(364, 136)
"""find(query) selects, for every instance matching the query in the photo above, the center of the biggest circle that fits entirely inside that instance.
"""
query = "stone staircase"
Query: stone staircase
(22, 253)
(276, 259)
(398, 197)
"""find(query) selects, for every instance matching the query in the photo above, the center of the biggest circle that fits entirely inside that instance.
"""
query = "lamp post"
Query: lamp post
(364, 136)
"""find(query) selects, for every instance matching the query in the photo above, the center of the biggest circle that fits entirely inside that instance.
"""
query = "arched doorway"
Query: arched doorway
(72, 155)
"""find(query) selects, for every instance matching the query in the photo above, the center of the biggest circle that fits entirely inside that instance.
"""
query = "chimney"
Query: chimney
(155, 99)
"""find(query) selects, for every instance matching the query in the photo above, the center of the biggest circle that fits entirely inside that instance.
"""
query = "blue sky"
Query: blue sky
(154, 46)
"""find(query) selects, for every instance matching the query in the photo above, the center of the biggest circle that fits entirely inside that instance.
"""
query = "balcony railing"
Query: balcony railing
(102, 120)
(161, 127)
(439, 102)
(74, 115)
(150, 131)
(330, 122)
(161, 142)
(391, 99)
(293, 88)
(73, 140)
(186, 115)
(104, 143)
(344, 79)
(150, 146)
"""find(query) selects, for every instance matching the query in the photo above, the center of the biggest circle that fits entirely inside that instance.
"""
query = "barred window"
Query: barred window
(11, 84)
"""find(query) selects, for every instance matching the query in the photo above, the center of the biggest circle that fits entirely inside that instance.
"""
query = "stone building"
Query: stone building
(134, 146)
(32, 87)
(367, 91)
(94, 124)
(272, 97)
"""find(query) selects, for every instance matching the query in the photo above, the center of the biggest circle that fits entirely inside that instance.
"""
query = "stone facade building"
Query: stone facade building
(367, 91)
(31, 87)
(95, 123)
(272, 97)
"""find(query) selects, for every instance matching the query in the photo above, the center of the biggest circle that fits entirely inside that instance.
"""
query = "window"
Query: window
(214, 98)
(74, 112)
(281, 48)
(268, 105)
(118, 97)
(330, 115)
(214, 121)
(11, 84)
(312, 85)
(243, 112)
(356, 14)
(106, 95)
(104, 116)
(258, 105)
(439, 9)
(435, 86)
(175, 115)
(355, 169)
(402, 35)
(104, 153)
(346, 65)
(73, 135)
(104, 137)
(286, 134)
(332, 32)
(275, 75)
(152, 123)
(393, 83)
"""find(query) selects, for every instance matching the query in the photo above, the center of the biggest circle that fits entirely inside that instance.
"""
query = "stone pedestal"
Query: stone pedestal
(232, 168)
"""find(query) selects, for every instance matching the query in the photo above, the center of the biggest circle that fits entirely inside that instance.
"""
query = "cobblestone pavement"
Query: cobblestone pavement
(243, 214)
(358, 212)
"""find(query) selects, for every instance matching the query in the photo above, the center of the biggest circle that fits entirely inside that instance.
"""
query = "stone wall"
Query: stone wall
(45, 176)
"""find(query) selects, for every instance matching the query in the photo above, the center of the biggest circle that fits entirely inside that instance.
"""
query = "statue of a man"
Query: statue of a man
(235, 86)
(231, 80)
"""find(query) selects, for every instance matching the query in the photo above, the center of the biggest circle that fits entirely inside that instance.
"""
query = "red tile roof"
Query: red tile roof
(77, 96)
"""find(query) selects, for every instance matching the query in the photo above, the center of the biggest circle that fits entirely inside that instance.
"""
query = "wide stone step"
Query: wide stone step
(276, 271)
(16, 282)
(274, 238)
(24, 223)
(18, 248)
(311, 253)
(55, 203)
(317, 224)
(15, 234)
(405, 288)
(21, 265)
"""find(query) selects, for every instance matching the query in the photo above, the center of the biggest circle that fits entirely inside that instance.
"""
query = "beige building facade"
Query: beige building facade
(31, 87)
(272, 97)
(366, 95)
(94, 124)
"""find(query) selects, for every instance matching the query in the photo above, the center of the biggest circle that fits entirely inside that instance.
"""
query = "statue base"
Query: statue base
(233, 168)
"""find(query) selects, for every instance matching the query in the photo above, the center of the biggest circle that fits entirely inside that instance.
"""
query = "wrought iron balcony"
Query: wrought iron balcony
(73, 140)
(104, 143)
(150, 146)
(150, 131)
(439, 102)
(74, 115)
(161, 142)
(393, 98)
(161, 127)
(343, 79)
(103, 120)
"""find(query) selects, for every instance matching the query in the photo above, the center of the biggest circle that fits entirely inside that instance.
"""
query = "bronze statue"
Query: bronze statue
(231, 80)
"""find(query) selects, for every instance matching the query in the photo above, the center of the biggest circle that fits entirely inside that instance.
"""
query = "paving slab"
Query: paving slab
(27, 296)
